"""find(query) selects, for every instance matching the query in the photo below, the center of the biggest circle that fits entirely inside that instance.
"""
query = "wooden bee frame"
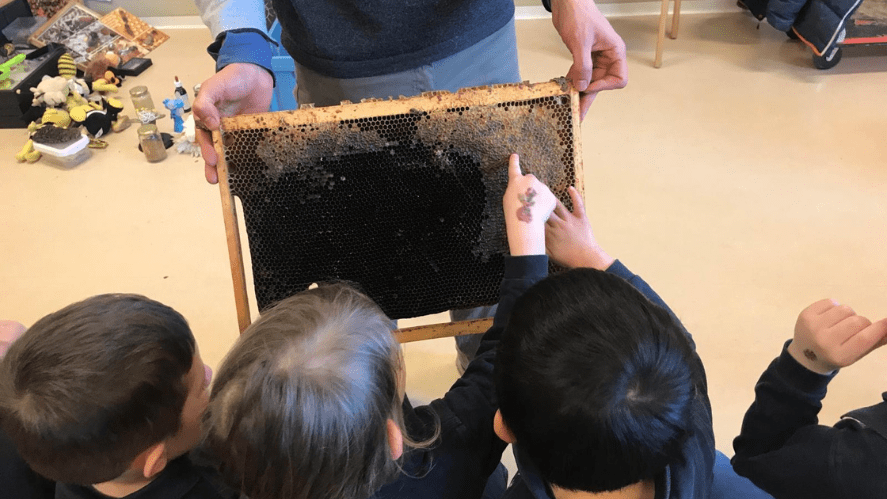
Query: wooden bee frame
(444, 155)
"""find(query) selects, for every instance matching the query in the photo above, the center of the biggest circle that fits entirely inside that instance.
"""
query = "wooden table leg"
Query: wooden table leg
(675, 19)
(663, 15)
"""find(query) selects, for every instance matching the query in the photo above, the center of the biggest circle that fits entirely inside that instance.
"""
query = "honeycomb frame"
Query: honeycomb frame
(283, 165)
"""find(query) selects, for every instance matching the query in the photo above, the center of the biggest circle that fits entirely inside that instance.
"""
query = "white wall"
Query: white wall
(146, 8)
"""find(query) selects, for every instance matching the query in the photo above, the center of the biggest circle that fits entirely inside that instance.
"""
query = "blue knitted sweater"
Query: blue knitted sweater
(355, 38)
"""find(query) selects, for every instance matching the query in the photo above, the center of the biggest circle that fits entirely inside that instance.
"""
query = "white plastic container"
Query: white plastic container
(66, 155)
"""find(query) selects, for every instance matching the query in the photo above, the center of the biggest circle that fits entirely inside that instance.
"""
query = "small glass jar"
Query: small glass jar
(196, 90)
(152, 143)
(141, 98)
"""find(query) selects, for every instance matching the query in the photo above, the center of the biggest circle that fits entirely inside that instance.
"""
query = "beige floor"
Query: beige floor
(739, 181)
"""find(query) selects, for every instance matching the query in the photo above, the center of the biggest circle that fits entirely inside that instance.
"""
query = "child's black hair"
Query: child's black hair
(595, 381)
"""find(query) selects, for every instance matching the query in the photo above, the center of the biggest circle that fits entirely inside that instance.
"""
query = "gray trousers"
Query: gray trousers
(489, 61)
(492, 60)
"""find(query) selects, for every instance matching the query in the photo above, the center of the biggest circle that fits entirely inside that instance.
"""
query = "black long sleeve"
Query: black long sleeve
(784, 450)
(468, 450)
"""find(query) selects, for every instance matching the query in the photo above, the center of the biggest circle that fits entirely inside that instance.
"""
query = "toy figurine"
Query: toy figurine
(187, 143)
(79, 94)
(175, 107)
(67, 68)
(56, 116)
(96, 122)
(52, 91)
(104, 67)
(102, 86)
(181, 93)
(28, 153)
(114, 107)
(7, 67)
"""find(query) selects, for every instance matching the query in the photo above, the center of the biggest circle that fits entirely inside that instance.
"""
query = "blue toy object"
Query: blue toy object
(176, 110)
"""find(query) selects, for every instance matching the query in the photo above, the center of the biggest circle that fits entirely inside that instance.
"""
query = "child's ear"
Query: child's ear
(502, 429)
(154, 460)
(395, 439)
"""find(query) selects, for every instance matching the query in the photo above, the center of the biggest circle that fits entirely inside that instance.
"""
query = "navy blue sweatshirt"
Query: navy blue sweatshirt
(468, 450)
(784, 450)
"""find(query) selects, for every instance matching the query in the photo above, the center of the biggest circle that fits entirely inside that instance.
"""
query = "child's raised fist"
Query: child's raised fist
(829, 336)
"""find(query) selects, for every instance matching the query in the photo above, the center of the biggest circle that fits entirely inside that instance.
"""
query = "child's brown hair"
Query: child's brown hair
(88, 388)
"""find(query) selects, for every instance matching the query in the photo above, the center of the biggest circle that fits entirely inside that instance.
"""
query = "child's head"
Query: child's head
(108, 388)
(312, 386)
(595, 382)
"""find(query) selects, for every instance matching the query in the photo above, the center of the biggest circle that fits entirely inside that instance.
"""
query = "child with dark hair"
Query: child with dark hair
(105, 397)
(600, 387)
(781, 446)
(309, 402)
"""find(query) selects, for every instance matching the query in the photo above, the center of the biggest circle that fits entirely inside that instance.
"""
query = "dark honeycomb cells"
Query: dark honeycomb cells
(406, 205)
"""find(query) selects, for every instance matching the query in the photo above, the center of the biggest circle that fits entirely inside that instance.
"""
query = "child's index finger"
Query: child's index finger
(514, 166)
(576, 198)
(560, 211)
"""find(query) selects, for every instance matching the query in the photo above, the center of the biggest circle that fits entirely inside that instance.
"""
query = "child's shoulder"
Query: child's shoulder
(181, 479)
(17, 480)
(206, 479)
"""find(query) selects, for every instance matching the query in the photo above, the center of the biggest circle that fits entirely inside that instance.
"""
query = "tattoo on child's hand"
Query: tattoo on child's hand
(809, 354)
(524, 214)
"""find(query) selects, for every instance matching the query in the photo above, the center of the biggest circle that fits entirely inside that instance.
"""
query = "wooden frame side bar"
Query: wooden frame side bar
(232, 234)
(578, 167)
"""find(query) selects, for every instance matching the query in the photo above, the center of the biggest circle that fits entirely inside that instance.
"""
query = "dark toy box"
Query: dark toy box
(15, 102)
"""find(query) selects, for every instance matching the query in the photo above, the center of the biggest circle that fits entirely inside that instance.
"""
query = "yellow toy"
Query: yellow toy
(51, 117)
(67, 68)
(28, 153)
(58, 117)
(77, 95)
(103, 85)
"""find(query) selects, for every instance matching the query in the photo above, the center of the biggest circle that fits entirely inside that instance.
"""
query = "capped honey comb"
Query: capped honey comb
(402, 197)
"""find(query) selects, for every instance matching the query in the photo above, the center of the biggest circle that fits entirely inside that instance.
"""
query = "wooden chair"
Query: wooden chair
(675, 21)
(292, 168)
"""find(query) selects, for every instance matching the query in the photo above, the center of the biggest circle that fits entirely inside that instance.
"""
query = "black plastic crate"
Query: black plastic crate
(15, 102)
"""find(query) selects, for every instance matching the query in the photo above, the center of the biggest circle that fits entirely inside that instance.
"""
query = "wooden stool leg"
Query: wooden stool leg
(675, 19)
(662, 17)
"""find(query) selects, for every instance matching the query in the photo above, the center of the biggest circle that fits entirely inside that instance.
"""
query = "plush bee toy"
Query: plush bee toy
(66, 65)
